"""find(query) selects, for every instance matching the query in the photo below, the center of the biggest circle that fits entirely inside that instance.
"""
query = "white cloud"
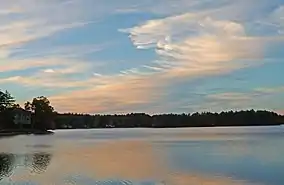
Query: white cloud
(49, 71)
(153, 68)
(200, 46)
(209, 41)
(154, 31)
(25, 21)
(196, 38)
(62, 65)
(97, 74)
(61, 73)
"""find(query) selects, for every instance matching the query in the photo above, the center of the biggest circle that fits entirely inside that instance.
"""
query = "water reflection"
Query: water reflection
(115, 163)
(161, 157)
(40, 162)
(37, 163)
(6, 165)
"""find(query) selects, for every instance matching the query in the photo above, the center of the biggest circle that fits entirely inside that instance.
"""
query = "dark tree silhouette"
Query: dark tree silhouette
(44, 117)
(205, 119)
(28, 106)
(43, 112)
(6, 100)
(7, 104)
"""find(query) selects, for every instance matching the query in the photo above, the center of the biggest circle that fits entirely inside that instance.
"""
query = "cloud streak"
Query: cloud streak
(256, 98)
(195, 44)
(119, 94)
(24, 23)
(190, 40)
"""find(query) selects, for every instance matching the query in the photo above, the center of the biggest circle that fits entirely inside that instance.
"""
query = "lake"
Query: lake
(184, 156)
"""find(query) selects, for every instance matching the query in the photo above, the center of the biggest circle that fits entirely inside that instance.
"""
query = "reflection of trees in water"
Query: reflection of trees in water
(6, 164)
(40, 162)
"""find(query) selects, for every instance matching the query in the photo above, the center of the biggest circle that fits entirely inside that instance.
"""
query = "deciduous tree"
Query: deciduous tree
(43, 112)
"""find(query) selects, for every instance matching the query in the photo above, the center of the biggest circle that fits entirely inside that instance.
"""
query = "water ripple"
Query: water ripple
(6, 165)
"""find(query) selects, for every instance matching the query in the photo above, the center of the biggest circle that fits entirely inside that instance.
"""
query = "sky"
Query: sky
(178, 56)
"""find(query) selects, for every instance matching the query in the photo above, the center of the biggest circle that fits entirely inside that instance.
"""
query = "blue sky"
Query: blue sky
(106, 56)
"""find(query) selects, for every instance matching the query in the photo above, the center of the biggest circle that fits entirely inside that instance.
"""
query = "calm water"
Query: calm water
(213, 156)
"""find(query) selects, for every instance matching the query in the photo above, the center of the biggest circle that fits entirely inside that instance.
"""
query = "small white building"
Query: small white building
(22, 117)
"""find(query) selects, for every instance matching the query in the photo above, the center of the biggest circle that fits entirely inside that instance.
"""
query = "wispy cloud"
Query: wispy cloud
(270, 90)
(52, 66)
(25, 22)
(198, 42)
(243, 100)
(201, 43)
(119, 94)
(53, 73)
(190, 39)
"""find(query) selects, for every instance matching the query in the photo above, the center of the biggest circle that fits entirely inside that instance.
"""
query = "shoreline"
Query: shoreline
(213, 126)
(10, 133)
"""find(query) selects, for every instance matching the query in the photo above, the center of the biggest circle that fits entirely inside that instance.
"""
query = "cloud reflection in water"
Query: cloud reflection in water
(113, 162)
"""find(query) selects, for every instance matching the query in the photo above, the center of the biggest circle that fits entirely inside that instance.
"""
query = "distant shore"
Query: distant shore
(16, 132)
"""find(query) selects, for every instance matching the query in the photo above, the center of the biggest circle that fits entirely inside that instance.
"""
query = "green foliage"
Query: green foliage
(6, 101)
(41, 106)
(28, 106)
(7, 104)
(43, 112)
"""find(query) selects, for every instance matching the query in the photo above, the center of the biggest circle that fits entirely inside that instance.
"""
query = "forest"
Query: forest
(44, 116)
(142, 120)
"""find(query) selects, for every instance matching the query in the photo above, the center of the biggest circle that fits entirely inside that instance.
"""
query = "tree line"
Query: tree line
(42, 113)
(142, 120)
(45, 117)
